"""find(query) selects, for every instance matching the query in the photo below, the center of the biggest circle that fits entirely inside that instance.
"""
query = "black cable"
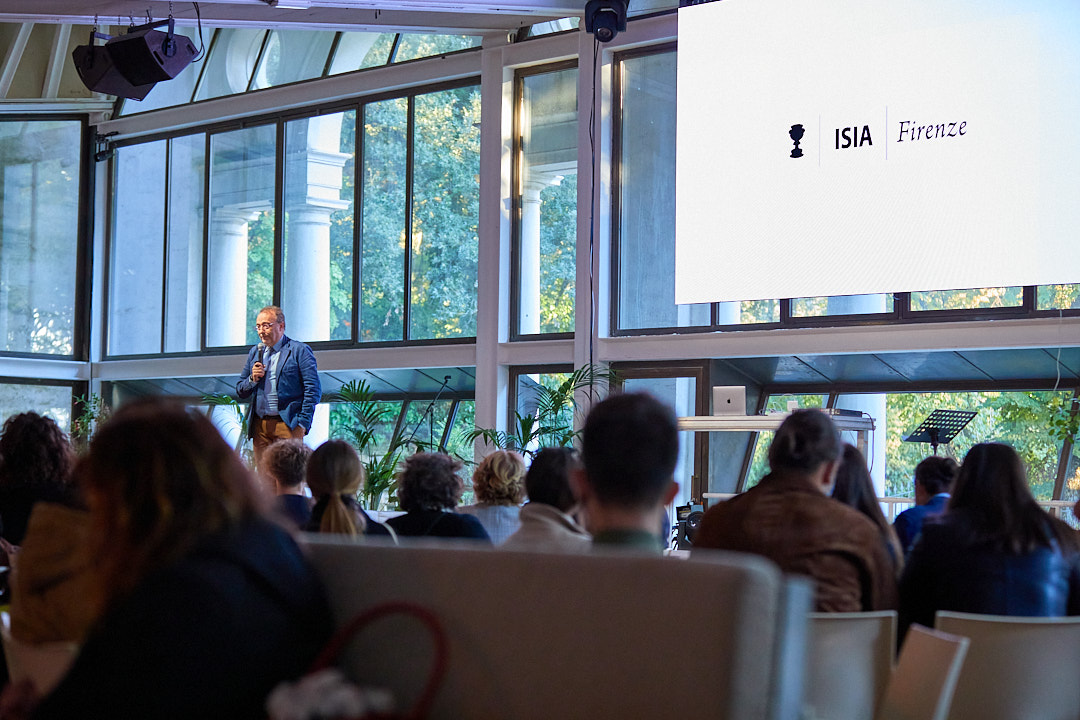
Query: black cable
(202, 45)
(592, 203)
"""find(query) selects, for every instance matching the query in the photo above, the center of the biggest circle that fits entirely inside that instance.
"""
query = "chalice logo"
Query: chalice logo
(796, 133)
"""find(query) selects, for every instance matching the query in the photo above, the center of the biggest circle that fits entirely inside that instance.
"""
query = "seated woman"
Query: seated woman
(206, 603)
(498, 484)
(855, 487)
(335, 476)
(994, 552)
(428, 490)
(35, 465)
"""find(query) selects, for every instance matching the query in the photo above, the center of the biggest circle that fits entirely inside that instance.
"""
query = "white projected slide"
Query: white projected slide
(840, 147)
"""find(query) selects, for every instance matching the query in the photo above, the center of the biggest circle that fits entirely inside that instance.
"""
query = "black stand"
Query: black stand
(940, 427)
(428, 415)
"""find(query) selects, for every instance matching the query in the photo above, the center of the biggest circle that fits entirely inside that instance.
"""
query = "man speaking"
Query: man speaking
(283, 378)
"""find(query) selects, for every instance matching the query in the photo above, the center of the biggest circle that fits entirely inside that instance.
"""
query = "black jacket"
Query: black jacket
(207, 637)
(947, 571)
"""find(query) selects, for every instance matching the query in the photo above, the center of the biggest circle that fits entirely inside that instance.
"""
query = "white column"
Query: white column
(529, 257)
(306, 280)
(313, 184)
(226, 320)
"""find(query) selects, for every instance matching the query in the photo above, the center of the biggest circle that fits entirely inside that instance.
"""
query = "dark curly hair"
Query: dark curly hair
(429, 481)
(34, 453)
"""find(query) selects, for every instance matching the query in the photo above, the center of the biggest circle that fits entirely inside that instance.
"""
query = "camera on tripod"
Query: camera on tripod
(687, 519)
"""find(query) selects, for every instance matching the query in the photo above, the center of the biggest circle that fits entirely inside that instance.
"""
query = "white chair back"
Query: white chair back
(849, 661)
(535, 636)
(922, 684)
(1017, 667)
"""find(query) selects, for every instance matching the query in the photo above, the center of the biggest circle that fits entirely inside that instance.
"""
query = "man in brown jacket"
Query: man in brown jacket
(790, 519)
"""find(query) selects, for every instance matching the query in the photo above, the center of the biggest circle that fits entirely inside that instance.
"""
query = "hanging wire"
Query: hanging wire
(202, 45)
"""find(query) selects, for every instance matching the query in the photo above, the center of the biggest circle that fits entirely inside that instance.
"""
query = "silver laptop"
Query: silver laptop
(729, 400)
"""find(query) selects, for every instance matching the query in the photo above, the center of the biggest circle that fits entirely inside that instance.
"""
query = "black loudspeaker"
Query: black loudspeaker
(99, 74)
(145, 55)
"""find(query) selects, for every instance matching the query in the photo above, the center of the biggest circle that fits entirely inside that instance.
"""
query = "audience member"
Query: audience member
(499, 488)
(934, 478)
(855, 487)
(547, 520)
(789, 518)
(207, 604)
(428, 489)
(35, 464)
(629, 448)
(54, 578)
(336, 476)
(284, 465)
(994, 552)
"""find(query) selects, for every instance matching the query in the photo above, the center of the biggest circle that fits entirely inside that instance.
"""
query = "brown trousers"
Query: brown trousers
(268, 429)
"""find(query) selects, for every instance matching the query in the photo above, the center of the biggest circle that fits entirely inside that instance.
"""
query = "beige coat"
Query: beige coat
(51, 585)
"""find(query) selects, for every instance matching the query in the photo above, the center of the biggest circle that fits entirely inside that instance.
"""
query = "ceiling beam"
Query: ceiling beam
(12, 57)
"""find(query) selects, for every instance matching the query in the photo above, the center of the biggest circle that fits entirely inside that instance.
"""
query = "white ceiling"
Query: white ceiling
(465, 16)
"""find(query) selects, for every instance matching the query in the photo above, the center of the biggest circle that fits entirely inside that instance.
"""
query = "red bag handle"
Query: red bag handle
(337, 643)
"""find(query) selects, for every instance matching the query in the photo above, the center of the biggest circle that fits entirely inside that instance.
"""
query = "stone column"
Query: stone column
(313, 184)
(226, 318)
(529, 257)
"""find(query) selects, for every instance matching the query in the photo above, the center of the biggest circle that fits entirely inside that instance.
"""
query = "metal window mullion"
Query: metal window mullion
(203, 70)
(358, 220)
(207, 211)
(451, 418)
(165, 246)
(259, 60)
(279, 211)
(84, 264)
(410, 159)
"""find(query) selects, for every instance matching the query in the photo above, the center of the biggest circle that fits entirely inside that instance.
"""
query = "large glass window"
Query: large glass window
(412, 47)
(292, 56)
(421, 169)
(156, 247)
(241, 248)
(137, 252)
(317, 277)
(546, 201)
(1019, 419)
(841, 305)
(1054, 297)
(445, 214)
(973, 299)
(646, 196)
(231, 62)
(385, 189)
(51, 400)
(40, 182)
(360, 50)
(184, 267)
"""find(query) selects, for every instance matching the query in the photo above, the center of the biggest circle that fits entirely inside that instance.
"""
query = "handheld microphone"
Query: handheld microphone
(262, 353)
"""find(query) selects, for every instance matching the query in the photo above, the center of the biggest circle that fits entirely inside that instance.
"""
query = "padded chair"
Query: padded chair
(849, 661)
(1017, 667)
(535, 636)
(41, 663)
(922, 684)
